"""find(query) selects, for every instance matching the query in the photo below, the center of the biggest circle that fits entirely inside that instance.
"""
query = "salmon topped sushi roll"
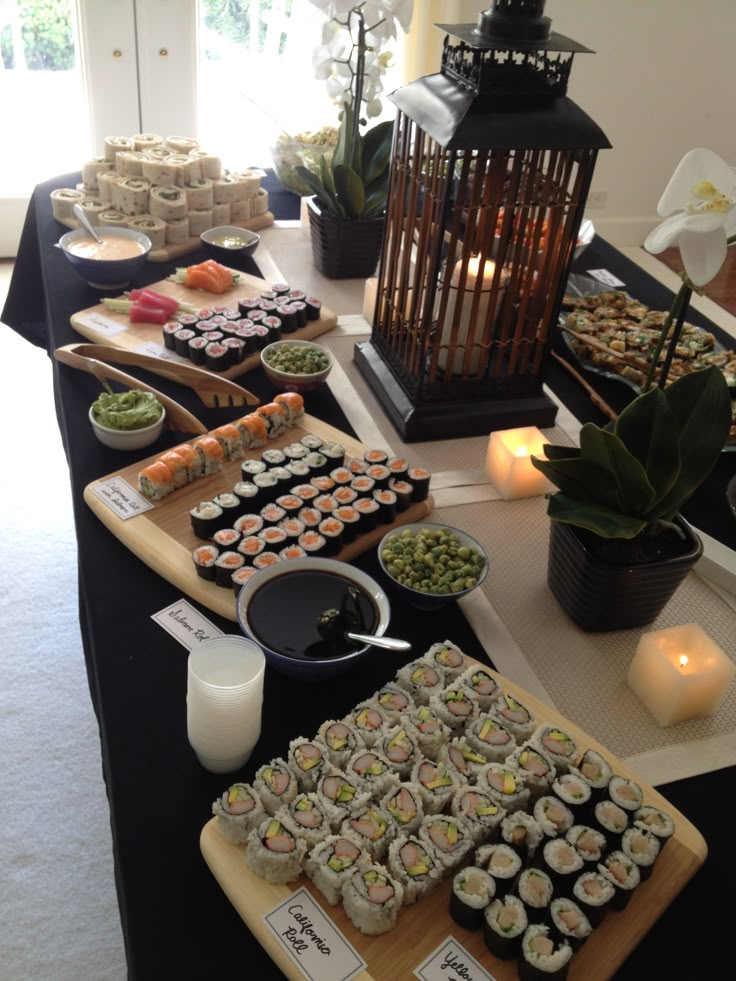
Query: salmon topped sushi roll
(211, 454)
(274, 416)
(293, 404)
(253, 432)
(228, 436)
(177, 465)
(156, 481)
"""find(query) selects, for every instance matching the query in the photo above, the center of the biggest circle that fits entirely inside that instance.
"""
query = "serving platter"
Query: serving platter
(162, 537)
(100, 325)
(426, 925)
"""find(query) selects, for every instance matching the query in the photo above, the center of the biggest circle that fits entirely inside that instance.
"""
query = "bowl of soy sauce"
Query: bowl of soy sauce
(283, 609)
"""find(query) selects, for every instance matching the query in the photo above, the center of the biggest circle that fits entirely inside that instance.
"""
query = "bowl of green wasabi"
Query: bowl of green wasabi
(127, 420)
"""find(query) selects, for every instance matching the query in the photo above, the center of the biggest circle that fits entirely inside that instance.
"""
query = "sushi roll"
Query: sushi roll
(236, 347)
(272, 513)
(273, 457)
(248, 524)
(404, 806)
(299, 307)
(300, 470)
(657, 822)
(310, 518)
(626, 793)
(357, 467)
(350, 519)
(274, 853)
(251, 546)
(331, 863)
(489, 738)
(177, 465)
(536, 768)
(504, 924)
(265, 559)
(521, 832)
(267, 485)
(294, 451)
(238, 812)
(276, 785)
(454, 706)
(573, 792)
(421, 680)
(436, 784)
(368, 510)
(340, 795)
(514, 716)
(557, 745)
(226, 564)
(155, 481)
(450, 836)
(335, 453)
(341, 476)
(253, 431)
(596, 771)
(241, 576)
(415, 866)
(228, 436)
(307, 492)
(386, 500)
(543, 957)
(372, 899)
(372, 457)
(398, 466)
(623, 874)
(589, 843)
(294, 529)
(372, 771)
(331, 530)
(535, 890)
(641, 847)
(290, 504)
(380, 473)
(482, 686)
(563, 863)
(553, 817)
(204, 559)
(362, 484)
(472, 892)
(447, 658)
(168, 332)
(216, 355)
(593, 894)
(482, 815)
(569, 922)
(307, 760)
(274, 417)
(462, 760)
(502, 862)
(312, 542)
(402, 491)
(394, 701)
(314, 308)
(370, 828)
(370, 721)
(427, 730)
(306, 818)
(611, 820)
(206, 518)
(197, 350)
(506, 786)
(419, 480)
(322, 482)
(247, 493)
(211, 454)
(400, 750)
(292, 551)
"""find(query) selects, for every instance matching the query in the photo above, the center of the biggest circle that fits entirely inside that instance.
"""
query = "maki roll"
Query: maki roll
(403, 804)
(454, 706)
(370, 721)
(436, 784)
(573, 792)
(522, 833)
(341, 741)
(394, 701)
(402, 490)
(553, 817)
(386, 500)
(421, 680)
(482, 685)
(331, 863)
(307, 760)
(373, 772)
(593, 893)
(372, 457)
(611, 820)
(340, 795)
(350, 519)
(472, 891)
(331, 529)
(623, 874)
(249, 468)
(370, 828)
(198, 350)
(587, 842)
(505, 785)
(241, 576)
(248, 524)
(462, 760)
(502, 862)
(310, 518)
(204, 559)
(535, 890)
(656, 822)
(447, 658)
(272, 513)
(368, 510)
(595, 771)
(489, 738)
(626, 793)
(504, 924)
(535, 767)
(247, 492)
(238, 812)
(415, 866)
(226, 564)
(276, 785)
(274, 417)
(305, 817)
(563, 864)
(251, 546)
(514, 716)
(419, 480)
(273, 457)
(569, 922)
(557, 745)
(482, 815)
(210, 453)
(312, 542)
(274, 853)
(155, 481)
(206, 518)
(542, 957)
(372, 899)
(216, 355)
(641, 847)
(231, 508)
(182, 337)
(267, 485)
(401, 752)
(427, 730)
(450, 836)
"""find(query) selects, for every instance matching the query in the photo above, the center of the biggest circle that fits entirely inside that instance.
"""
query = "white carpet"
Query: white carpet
(58, 910)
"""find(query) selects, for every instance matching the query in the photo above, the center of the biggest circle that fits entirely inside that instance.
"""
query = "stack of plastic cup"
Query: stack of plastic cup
(224, 697)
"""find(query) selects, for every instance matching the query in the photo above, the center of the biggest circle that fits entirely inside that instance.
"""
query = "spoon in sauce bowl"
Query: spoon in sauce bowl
(333, 626)
(86, 223)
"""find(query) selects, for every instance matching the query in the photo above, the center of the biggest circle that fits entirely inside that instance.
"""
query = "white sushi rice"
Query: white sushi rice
(448, 657)
(233, 821)
(307, 760)
(449, 836)
(553, 817)
(490, 738)
(371, 829)
(372, 771)
(514, 716)
(421, 680)
(557, 745)
(626, 793)
(274, 866)
(405, 807)
(481, 814)
(369, 721)
(417, 883)
(370, 917)
(265, 783)
(330, 864)
(340, 795)
(436, 784)
(305, 817)
(474, 887)
(462, 760)
(482, 686)
(427, 730)
(394, 701)
(546, 963)
(499, 860)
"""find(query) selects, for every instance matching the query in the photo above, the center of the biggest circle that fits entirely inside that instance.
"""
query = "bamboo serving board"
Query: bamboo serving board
(425, 925)
(168, 252)
(137, 336)
(163, 538)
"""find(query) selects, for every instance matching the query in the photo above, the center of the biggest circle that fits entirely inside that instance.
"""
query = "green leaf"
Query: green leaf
(376, 151)
(701, 405)
(345, 154)
(607, 451)
(603, 521)
(580, 479)
(375, 197)
(648, 428)
(350, 191)
(325, 194)
(554, 452)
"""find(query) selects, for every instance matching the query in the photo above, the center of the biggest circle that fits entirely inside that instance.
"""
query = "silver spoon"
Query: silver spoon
(86, 223)
(389, 643)
(331, 625)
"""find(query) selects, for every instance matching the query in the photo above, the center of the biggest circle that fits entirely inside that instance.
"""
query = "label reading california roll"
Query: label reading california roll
(121, 498)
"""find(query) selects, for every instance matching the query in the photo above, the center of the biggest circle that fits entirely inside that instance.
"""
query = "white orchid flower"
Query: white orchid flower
(374, 108)
(700, 200)
(402, 11)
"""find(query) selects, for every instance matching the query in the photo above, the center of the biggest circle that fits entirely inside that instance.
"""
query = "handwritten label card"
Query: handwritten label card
(101, 324)
(121, 498)
(451, 962)
(312, 940)
(155, 350)
(186, 624)
(606, 277)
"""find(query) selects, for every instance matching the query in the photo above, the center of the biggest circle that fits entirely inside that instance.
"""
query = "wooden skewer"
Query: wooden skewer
(595, 397)
(631, 359)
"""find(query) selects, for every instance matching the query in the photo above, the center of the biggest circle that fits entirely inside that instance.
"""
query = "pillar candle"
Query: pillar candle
(509, 465)
(680, 673)
(477, 268)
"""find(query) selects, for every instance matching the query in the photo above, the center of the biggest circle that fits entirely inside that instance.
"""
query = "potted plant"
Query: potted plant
(618, 545)
(346, 215)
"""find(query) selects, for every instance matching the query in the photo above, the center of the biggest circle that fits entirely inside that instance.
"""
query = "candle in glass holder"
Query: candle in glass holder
(509, 465)
(680, 673)
(469, 329)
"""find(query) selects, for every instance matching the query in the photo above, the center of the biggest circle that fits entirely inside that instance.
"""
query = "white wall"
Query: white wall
(659, 84)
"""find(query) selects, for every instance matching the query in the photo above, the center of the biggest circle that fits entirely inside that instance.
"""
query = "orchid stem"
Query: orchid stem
(675, 339)
(679, 304)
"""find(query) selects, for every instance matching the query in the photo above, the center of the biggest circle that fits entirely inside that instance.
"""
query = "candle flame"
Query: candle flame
(683, 660)
(521, 451)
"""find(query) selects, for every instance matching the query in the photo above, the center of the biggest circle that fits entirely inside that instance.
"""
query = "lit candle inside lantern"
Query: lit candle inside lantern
(470, 330)
(509, 465)
(680, 673)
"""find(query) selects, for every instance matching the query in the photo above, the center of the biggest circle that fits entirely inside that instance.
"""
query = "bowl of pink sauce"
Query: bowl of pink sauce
(111, 265)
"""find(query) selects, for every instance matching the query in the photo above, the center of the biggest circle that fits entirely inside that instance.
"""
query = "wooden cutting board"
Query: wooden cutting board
(163, 538)
(114, 329)
(427, 924)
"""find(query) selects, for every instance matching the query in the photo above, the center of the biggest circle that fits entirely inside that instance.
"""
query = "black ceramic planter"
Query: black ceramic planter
(599, 595)
(342, 248)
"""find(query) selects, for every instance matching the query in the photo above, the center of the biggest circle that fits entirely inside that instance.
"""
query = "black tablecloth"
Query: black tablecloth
(176, 921)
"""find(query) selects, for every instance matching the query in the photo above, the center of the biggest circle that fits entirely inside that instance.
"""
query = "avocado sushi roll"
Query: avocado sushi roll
(394, 701)
(415, 866)
(341, 740)
(490, 738)
(370, 828)
(569, 922)
(436, 784)
(331, 863)
(372, 899)
(482, 815)
(400, 750)
(535, 890)
(421, 680)
(307, 760)
(427, 730)
(341, 795)
(623, 874)
(238, 812)
(276, 785)
(274, 853)
(306, 818)
(450, 836)
(461, 759)
(404, 805)
(536, 768)
(557, 746)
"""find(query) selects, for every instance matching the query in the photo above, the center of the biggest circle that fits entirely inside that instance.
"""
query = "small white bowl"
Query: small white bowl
(244, 242)
(128, 439)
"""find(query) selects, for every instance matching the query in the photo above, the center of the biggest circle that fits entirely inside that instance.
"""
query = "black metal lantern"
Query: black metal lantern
(490, 172)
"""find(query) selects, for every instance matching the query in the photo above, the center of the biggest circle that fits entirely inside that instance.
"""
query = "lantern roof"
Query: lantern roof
(469, 34)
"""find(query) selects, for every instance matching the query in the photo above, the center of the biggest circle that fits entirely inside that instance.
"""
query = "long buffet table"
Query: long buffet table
(176, 920)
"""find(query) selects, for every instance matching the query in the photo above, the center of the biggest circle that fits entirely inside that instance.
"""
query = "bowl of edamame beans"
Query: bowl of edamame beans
(432, 564)
(296, 366)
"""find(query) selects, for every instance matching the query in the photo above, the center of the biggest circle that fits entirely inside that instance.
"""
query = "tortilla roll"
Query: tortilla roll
(63, 200)
(154, 228)
(168, 202)
(130, 195)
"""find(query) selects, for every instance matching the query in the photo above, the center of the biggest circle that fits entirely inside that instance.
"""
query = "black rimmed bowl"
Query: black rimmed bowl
(293, 381)
(422, 599)
(106, 274)
(227, 242)
(280, 606)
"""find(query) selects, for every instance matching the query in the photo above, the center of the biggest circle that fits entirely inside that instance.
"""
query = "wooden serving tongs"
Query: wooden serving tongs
(214, 390)
(178, 419)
